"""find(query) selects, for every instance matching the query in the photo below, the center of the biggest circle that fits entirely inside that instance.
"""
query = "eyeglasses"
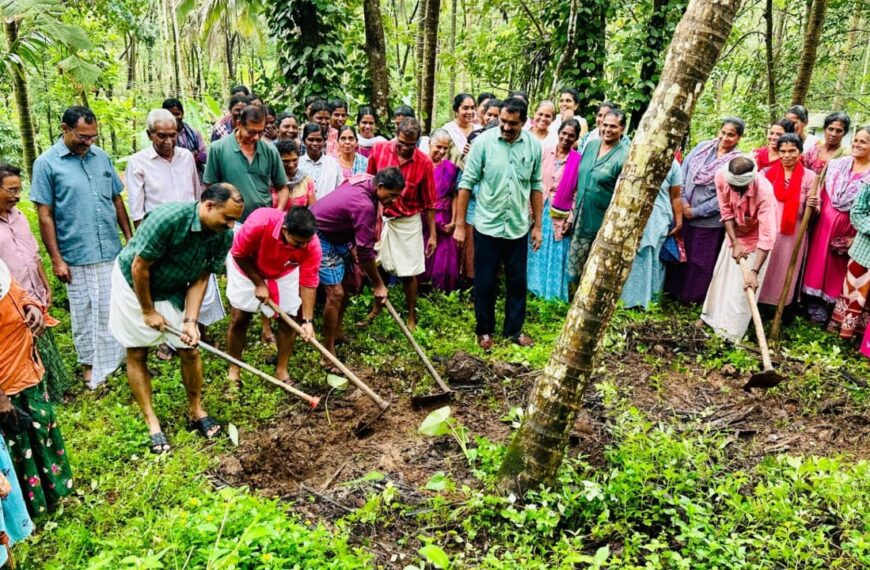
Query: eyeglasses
(13, 191)
(85, 138)
(253, 133)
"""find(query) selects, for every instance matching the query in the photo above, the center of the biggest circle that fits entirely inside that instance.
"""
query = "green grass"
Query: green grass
(662, 499)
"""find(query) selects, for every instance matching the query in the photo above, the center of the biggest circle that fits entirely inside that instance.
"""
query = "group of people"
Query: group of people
(286, 208)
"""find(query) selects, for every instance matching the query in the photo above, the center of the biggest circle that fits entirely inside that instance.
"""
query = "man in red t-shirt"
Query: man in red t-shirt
(274, 256)
(401, 251)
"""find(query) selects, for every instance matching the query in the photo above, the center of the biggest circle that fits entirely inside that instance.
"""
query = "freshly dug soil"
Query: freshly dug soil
(314, 460)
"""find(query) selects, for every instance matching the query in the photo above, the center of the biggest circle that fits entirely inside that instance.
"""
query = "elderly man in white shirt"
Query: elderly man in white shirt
(162, 173)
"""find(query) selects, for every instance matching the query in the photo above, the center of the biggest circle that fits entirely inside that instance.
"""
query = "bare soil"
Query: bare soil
(309, 458)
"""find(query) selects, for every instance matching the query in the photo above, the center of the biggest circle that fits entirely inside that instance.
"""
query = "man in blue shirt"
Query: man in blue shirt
(78, 196)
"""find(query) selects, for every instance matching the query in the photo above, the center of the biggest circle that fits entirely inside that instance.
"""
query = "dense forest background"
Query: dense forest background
(122, 57)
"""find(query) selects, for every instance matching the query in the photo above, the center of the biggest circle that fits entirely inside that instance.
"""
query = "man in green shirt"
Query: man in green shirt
(506, 164)
(249, 163)
(159, 280)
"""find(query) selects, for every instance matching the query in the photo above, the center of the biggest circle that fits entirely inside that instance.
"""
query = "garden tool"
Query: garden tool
(312, 400)
(768, 378)
(364, 426)
(421, 401)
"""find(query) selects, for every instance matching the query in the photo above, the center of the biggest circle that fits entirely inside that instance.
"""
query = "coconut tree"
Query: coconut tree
(34, 28)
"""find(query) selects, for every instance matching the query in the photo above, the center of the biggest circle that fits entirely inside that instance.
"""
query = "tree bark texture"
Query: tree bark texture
(22, 99)
(430, 52)
(419, 49)
(768, 49)
(570, 47)
(176, 50)
(656, 42)
(379, 73)
(812, 35)
(453, 70)
(846, 60)
(536, 451)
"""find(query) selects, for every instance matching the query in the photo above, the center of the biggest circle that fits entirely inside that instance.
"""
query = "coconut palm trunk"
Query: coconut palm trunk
(812, 35)
(22, 99)
(376, 46)
(536, 451)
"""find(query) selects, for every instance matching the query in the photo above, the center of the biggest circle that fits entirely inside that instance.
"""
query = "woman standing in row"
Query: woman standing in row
(461, 126)
(540, 126)
(547, 267)
(827, 259)
(817, 156)
(792, 184)
(442, 268)
(366, 126)
(569, 102)
(702, 230)
(766, 156)
(600, 168)
(349, 160)
(647, 277)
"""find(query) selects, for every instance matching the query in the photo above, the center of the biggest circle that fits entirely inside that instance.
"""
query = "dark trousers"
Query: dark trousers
(489, 254)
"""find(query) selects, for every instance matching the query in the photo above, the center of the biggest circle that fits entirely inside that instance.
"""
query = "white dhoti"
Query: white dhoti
(89, 293)
(127, 323)
(401, 250)
(212, 309)
(726, 308)
(284, 291)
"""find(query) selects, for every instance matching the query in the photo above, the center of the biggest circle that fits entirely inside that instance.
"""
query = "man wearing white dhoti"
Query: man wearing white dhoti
(159, 281)
(401, 251)
(275, 256)
(747, 207)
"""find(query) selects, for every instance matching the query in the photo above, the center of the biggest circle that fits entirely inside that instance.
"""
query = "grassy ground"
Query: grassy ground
(663, 494)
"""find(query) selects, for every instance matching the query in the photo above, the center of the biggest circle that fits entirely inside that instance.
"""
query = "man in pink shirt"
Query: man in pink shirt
(747, 207)
(275, 255)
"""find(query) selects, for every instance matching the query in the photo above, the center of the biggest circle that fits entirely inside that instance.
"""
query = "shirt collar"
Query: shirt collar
(14, 215)
(196, 223)
(63, 150)
(276, 231)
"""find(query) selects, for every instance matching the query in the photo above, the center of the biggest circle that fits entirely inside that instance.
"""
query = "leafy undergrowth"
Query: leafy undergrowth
(671, 465)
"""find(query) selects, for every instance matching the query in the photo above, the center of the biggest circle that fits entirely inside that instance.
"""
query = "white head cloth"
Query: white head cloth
(740, 180)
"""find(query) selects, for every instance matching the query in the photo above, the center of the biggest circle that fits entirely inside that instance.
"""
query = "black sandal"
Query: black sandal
(204, 425)
(159, 443)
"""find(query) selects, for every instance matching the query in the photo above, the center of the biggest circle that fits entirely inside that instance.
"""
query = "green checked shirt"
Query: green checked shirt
(507, 173)
(182, 250)
(860, 216)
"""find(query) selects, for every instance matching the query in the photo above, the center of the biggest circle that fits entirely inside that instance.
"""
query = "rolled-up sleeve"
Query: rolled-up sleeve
(536, 179)
(364, 221)
(427, 183)
(767, 221)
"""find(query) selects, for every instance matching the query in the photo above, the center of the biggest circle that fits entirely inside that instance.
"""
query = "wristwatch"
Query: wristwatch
(754, 270)
(307, 321)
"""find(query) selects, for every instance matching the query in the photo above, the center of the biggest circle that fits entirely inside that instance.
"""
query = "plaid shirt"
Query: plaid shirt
(419, 192)
(182, 250)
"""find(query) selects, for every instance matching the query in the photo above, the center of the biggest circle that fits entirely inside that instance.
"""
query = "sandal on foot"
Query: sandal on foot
(205, 425)
(159, 443)
(164, 352)
(330, 367)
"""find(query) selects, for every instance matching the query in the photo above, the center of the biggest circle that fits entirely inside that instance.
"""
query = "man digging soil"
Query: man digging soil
(159, 281)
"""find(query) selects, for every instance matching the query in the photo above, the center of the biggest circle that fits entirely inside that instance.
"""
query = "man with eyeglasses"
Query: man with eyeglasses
(275, 256)
(162, 173)
(78, 196)
(249, 163)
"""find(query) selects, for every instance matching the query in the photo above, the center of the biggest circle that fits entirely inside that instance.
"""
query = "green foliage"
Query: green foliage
(311, 57)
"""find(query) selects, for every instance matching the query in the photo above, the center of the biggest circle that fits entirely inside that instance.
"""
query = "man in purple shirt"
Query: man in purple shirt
(346, 219)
